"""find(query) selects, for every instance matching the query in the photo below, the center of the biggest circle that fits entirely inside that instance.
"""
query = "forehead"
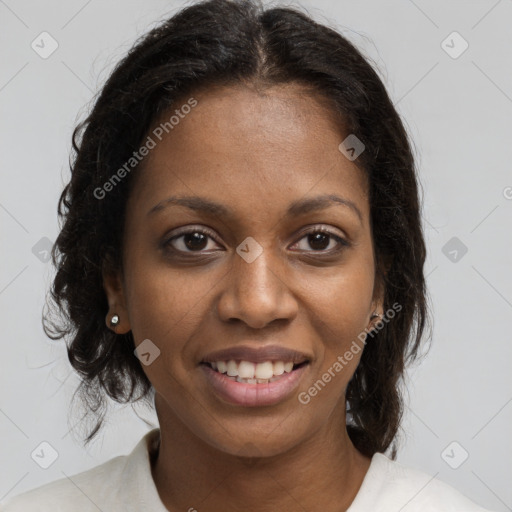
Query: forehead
(240, 144)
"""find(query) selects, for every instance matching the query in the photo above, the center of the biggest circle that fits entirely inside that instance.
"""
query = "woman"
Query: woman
(242, 244)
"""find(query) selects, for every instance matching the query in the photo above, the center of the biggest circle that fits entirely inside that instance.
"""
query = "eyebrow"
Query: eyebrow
(301, 206)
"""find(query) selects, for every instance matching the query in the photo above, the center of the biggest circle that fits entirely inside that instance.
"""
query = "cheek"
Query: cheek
(343, 303)
(341, 313)
(167, 305)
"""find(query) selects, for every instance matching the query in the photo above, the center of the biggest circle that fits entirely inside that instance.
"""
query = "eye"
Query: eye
(191, 240)
(196, 240)
(319, 239)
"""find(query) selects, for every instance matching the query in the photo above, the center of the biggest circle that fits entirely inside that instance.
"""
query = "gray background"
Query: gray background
(458, 111)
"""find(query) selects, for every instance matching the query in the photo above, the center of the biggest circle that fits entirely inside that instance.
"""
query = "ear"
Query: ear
(114, 290)
(379, 289)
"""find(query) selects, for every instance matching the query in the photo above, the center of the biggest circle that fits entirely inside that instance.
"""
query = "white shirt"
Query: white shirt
(125, 483)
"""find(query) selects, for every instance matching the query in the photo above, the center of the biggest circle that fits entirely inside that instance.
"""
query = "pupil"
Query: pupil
(318, 237)
(195, 240)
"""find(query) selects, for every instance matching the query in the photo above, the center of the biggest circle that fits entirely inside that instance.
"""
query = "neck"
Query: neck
(323, 473)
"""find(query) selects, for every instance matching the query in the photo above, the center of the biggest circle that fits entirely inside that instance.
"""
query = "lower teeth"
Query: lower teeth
(253, 381)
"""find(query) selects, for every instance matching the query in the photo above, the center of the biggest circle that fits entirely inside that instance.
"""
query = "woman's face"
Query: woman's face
(254, 278)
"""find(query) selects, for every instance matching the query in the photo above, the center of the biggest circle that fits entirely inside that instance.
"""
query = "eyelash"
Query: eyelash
(341, 241)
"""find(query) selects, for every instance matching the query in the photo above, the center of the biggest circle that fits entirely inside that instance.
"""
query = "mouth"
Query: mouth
(247, 372)
(248, 384)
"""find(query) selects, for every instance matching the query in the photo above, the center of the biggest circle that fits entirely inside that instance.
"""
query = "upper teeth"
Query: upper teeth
(248, 370)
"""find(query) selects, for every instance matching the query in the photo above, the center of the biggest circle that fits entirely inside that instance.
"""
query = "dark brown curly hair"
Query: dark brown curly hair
(223, 42)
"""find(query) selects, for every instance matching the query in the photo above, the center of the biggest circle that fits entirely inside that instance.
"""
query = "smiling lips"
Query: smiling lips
(251, 377)
(250, 373)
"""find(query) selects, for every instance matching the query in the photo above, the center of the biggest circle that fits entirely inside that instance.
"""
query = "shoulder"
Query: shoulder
(77, 492)
(390, 486)
(121, 483)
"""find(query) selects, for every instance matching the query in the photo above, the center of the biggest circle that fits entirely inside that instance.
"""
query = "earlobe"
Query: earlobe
(375, 318)
(117, 318)
(377, 306)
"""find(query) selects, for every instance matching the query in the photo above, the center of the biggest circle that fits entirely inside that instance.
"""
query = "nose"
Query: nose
(256, 293)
